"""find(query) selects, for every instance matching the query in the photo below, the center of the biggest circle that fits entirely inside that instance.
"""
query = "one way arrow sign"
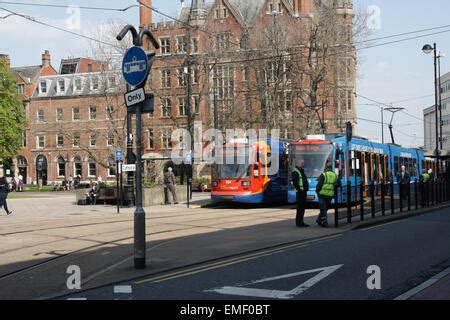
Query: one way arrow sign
(244, 290)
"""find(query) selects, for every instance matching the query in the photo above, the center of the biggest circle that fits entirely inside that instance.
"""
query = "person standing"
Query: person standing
(94, 193)
(403, 181)
(170, 182)
(21, 182)
(301, 186)
(423, 187)
(4, 190)
(70, 182)
(326, 190)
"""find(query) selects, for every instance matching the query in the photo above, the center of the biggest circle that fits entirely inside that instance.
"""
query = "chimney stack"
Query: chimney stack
(46, 61)
(7, 60)
(145, 14)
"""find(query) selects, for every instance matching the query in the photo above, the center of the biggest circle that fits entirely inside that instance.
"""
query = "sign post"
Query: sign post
(136, 68)
(119, 156)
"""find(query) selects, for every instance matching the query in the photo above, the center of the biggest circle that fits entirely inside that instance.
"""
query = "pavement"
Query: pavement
(49, 233)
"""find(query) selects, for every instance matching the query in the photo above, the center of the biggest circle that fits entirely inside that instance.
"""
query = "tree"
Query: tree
(12, 114)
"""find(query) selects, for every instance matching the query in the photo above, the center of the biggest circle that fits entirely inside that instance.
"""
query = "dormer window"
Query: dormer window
(270, 7)
(225, 13)
(61, 85)
(217, 14)
(43, 87)
(94, 83)
(280, 7)
(77, 84)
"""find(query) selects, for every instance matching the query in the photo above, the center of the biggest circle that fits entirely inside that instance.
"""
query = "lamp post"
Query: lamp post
(427, 49)
(439, 56)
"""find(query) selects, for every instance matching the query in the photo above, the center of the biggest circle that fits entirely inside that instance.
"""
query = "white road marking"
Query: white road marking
(123, 289)
(77, 299)
(241, 290)
(423, 286)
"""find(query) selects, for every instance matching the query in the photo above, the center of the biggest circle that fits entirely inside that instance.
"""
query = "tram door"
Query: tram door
(365, 171)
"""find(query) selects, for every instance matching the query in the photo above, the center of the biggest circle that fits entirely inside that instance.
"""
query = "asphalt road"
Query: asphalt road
(408, 252)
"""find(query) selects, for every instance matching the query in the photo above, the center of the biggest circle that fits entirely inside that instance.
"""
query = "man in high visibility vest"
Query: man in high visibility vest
(423, 187)
(301, 186)
(326, 190)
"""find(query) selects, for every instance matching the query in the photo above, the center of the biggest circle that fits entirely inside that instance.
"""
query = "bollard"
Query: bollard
(383, 203)
(392, 197)
(349, 202)
(400, 190)
(362, 201)
(372, 199)
(416, 199)
(336, 208)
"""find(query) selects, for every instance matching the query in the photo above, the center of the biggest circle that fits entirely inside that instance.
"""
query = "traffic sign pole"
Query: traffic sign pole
(136, 68)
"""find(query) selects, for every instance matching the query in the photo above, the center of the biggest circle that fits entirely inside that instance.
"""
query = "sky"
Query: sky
(386, 74)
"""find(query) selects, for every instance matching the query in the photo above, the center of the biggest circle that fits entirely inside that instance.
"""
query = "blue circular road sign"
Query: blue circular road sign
(135, 66)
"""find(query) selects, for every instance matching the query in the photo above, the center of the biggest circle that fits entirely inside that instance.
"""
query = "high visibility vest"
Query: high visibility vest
(300, 181)
(426, 177)
(328, 185)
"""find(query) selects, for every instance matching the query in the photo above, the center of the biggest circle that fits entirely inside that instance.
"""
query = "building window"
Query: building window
(112, 82)
(112, 166)
(280, 8)
(195, 76)
(24, 139)
(40, 115)
(110, 112)
(194, 45)
(43, 87)
(182, 44)
(196, 104)
(166, 105)
(217, 14)
(92, 168)
(166, 138)
(223, 83)
(78, 166)
(182, 77)
(245, 73)
(61, 167)
(151, 138)
(222, 41)
(40, 142)
(92, 113)
(93, 140)
(77, 84)
(110, 139)
(60, 141)
(225, 12)
(61, 85)
(76, 140)
(21, 89)
(95, 83)
(90, 67)
(59, 115)
(182, 107)
(165, 45)
(287, 101)
(165, 79)
(76, 114)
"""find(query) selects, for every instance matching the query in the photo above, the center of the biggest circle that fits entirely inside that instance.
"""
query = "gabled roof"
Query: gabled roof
(26, 73)
(248, 10)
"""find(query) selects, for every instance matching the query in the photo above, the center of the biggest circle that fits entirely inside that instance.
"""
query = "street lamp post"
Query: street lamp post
(440, 55)
(427, 49)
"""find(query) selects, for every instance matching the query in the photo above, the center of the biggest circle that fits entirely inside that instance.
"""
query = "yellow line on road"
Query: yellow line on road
(218, 265)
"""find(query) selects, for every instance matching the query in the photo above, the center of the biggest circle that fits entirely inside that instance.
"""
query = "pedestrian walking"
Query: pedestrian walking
(170, 182)
(301, 186)
(326, 190)
(70, 182)
(4, 190)
(21, 183)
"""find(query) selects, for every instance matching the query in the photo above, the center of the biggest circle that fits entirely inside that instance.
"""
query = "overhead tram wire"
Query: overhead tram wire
(34, 4)
(59, 28)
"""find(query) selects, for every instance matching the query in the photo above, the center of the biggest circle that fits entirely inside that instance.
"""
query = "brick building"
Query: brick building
(75, 123)
(224, 56)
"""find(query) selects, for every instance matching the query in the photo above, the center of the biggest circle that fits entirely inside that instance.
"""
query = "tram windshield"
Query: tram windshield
(315, 157)
(236, 163)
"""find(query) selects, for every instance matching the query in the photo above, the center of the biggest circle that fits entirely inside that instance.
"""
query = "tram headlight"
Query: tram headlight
(246, 183)
(214, 184)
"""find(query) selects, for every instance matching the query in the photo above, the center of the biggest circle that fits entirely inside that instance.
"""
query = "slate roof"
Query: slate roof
(249, 10)
(27, 73)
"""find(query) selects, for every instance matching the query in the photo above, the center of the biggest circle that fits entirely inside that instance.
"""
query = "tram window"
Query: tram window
(396, 165)
(415, 171)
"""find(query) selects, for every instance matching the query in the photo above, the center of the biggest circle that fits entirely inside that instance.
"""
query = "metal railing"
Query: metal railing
(388, 198)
